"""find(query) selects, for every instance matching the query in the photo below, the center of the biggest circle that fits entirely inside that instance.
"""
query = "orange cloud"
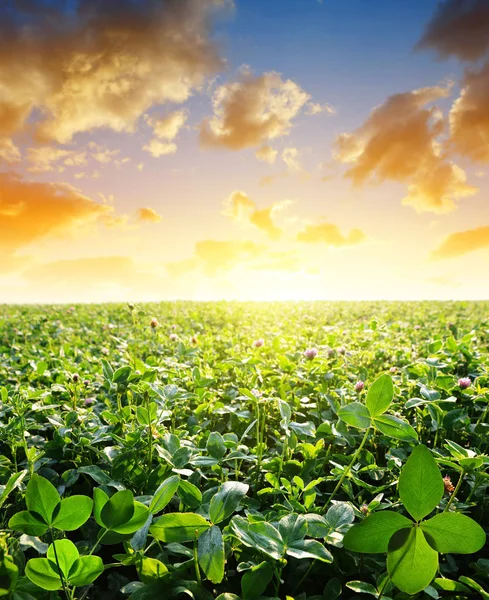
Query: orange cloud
(252, 111)
(330, 234)
(458, 28)
(103, 66)
(240, 207)
(149, 214)
(31, 210)
(108, 277)
(469, 116)
(399, 142)
(462, 242)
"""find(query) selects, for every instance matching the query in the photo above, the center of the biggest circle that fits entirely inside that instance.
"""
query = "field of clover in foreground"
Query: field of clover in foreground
(243, 451)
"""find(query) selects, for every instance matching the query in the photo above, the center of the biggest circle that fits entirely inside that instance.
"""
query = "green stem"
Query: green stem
(63, 583)
(297, 587)
(346, 471)
(99, 539)
(382, 588)
(455, 491)
(196, 563)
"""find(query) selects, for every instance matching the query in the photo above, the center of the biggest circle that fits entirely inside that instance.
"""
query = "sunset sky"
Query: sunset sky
(255, 150)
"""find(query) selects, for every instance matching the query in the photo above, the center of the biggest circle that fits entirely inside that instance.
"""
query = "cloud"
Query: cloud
(100, 64)
(167, 128)
(157, 148)
(469, 116)
(149, 214)
(400, 142)
(9, 152)
(266, 154)
(241, 208)
(72, 277)
(462, 242)
(214, 257)
(330, 234)
(313, 108)
(30, 211)
(50, 158)
(280, 261)
(252, 111)
(458, 28)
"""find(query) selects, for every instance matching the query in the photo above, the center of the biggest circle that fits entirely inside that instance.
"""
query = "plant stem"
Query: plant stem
(196, 563)
(63, 584)
(455, 491)
(99, 539)
(297, 587)
(347, 470)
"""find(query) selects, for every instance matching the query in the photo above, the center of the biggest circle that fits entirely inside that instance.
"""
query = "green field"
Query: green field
(159, 451)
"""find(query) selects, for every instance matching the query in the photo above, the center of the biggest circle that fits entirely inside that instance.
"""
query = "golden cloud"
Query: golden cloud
(399, 142)
(330, 234)
(103, 66)
(458, 28)
(157, 148)
(252, 111)
(149, 214)
(9, 152)
(80, 274)
(214, 257)
(462, 242)
(469, 116)
(241, 208)
(266, 154)
(167, 128)
(50, 158)
(313, 108)
(32, 210)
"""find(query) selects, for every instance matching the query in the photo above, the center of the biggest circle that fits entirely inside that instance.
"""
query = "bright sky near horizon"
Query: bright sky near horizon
(251, 150)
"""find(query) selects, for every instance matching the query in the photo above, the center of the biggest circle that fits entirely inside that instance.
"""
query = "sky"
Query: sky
(248, 150)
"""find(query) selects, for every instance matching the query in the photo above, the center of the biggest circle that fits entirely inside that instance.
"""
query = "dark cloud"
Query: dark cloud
(458, 28)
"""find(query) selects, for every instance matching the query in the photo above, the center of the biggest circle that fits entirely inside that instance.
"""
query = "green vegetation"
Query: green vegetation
(309, 451)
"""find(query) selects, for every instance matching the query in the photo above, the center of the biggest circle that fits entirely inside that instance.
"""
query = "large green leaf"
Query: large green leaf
(356, 415)
(379, 396)
(73, 512)
(211, 554)
(41, 497)
(292, 527)
(411, 561)
(395, 428)
(118, 510)
(256, 580)
(39, 571)
(151, 569)
(225, 502)
(309, 549)
(189, 494)
(100, 499)
(164, 494)
(67, 554)
(27, 523)
(178, 527)
(137, 520)
(372, 535)
(454, 533)
(420, 483)
(261, 536)
(215, 445)
(85, 570)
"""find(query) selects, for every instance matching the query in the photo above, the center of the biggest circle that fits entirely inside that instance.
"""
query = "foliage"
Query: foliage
(182, 460)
